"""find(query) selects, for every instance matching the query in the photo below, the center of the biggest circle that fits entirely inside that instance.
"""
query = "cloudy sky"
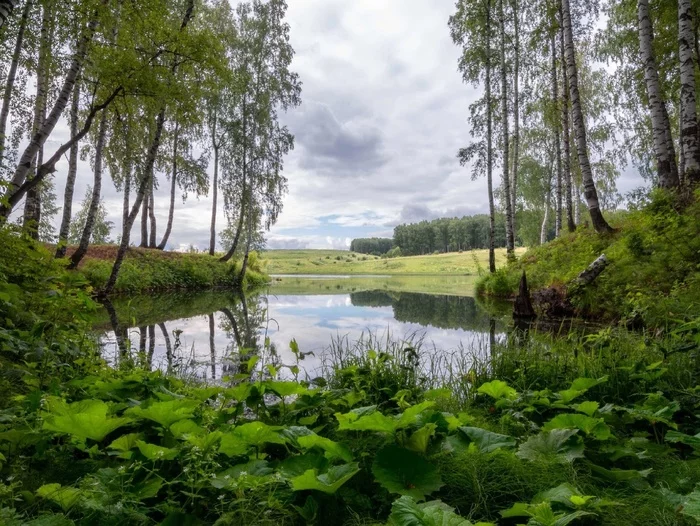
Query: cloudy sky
(384, 113)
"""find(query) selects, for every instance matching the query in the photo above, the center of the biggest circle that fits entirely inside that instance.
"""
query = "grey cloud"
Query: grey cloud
(331, 148)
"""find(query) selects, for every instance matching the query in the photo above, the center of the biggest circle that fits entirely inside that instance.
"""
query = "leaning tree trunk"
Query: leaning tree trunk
(516, 113)
(589, 190)
(12, 75)
(557, 139)
(6, 7)
(690, 141)
(16, 188)
(168, 346)
(489, 144)
(140, 196)
(566, 132)
(236, 239)
(80, 252)
(70, 179)
(173, 186)
(510, 238)
(147, 179)
(249, 237)
(665, 156)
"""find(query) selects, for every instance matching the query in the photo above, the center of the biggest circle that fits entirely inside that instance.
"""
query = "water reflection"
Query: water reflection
(215, 334)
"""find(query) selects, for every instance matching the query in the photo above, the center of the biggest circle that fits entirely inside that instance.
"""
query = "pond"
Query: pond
(208, 334)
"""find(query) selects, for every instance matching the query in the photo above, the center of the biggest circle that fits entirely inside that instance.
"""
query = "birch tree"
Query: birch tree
(690, 140)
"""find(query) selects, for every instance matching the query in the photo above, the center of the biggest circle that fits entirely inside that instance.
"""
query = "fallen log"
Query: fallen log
(591, 273)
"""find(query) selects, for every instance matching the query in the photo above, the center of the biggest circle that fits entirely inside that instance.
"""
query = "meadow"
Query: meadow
(334, 262)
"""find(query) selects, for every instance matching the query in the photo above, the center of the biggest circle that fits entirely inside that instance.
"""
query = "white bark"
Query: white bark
(557, 139)
(690, 142)
(665, 156)
(510, 238)
(6, 7)
(589, 189)
(489, 144)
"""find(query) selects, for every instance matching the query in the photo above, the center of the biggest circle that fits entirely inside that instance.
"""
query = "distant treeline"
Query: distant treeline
(438, 235)
(376, 246)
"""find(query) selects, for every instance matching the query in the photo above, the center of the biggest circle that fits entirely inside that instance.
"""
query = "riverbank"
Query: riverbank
(602, 427)
(149, 270)
(339, 262)
(652, 278)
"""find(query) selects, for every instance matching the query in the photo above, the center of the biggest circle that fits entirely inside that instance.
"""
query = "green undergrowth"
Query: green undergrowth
(653, 276)
(590, 429)
(150, 271)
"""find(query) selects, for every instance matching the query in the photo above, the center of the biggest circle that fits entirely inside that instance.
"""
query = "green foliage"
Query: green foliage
(404, 472)
(652, 279)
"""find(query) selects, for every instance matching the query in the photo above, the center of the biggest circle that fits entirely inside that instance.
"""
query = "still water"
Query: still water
(205, 334)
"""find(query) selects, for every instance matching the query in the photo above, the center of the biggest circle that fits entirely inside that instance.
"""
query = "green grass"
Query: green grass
(344, 262)
(156, 271)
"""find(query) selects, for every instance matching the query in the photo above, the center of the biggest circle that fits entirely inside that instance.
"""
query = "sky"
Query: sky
(383, 114)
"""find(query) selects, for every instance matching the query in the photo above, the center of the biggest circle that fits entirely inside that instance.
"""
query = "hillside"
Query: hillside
(336, 262)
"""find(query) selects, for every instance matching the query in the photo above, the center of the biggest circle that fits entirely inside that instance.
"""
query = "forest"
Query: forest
(586, 411)
(153, 93)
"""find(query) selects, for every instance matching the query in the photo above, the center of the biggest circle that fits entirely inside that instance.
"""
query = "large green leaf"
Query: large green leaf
(254, 472)
(405, 472)
(65, 496)
(85, 419)
(579, 387)
(410, 415)
(405, 511)
(594, 427)
(542, 514)
(284, 389)
(297, 465)
(619, 475)
(486, 441)
(375, 421)
(691, 505)
(332, 449)
(124, 444)
(689, 440)
(328, 482)
(498, 389)
(165, 413)
(181, 428)
(154, 452)
(559, 446)
(252, 434)
(420, 439)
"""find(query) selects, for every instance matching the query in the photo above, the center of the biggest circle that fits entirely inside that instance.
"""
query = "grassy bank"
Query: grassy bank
(594, 430)
(149, 270)
(335, 262)
(653, 277)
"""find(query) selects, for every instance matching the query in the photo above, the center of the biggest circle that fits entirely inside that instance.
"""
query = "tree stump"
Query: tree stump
(522, 309)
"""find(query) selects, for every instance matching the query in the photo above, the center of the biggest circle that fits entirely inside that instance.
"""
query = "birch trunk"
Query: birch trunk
(32, 204)
(80, 252)
(168, 346)
(665, 156)
(234, 246)
(566, 132)
(144, 220)
(690, 143)
(6, 8)
(516, 113)
(510, 239)
(545, 220)
(244, 266)
(152, 214)
(215, 190)
(557, 140)
(37, 142)
(173, 186)
(12, 75)
(489, 144)
(579, 125)
(70, 179)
